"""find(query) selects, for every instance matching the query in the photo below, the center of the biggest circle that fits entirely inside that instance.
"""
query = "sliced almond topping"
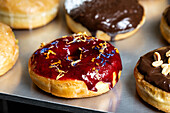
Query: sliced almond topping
(157, 56)
(166, 70)
(164, 65)
(157, 63)
(168, 54)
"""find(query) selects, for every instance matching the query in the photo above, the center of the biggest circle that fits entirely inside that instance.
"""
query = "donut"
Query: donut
(165, 24)
(149, 7)
(75, 66)
(27, 14)
(9, 49)
(152, 75)
(108, 20)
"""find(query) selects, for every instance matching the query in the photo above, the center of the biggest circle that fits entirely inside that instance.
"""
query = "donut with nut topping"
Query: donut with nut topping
(152, 74)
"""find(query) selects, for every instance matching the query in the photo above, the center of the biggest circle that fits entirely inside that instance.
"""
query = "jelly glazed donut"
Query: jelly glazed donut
(9, 49)
(165, 24)
(76, 66)
(108, 20)
(27, 14)
(152, 74)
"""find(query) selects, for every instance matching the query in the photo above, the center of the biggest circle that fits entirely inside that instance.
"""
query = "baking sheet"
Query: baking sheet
(16, 85)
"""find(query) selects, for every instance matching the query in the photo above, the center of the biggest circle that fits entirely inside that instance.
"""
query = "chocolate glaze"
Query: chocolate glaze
(91, 68)
(153, 75)
(111, 16)
(166, 15)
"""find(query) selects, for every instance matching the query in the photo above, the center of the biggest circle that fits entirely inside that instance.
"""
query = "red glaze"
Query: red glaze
(96, 60)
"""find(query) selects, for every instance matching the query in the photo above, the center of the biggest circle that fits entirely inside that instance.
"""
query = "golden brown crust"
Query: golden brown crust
(66, 88)
(165, 29)
(9, 49)
(77, 27)
(28, 14)
(27, 6)
(151, 94)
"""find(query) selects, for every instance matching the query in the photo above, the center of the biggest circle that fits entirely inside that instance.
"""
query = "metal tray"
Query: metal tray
(16, 85)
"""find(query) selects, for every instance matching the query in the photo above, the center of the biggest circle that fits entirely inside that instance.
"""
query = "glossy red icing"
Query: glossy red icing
(78, 57)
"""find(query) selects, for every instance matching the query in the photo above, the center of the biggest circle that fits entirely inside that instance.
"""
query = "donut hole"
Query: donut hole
(72, 58)
(75, 55)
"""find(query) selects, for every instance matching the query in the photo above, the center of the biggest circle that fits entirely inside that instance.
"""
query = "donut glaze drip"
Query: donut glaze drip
(78, 57)
(153, 75)
(111, 16)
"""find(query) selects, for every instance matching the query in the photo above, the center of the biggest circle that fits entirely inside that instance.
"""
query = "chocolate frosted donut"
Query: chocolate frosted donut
(165, 24)
(76, 66)
(115, 19)
(152, 74)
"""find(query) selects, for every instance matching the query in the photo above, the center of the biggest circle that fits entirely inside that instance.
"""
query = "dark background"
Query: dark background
(16, 107)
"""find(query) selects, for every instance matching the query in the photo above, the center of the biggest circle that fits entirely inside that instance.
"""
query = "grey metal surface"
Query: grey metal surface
(16, 85)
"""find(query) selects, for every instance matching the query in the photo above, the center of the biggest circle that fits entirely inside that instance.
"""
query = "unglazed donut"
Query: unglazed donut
(165, 24)
(27, 14)
(152, 74)
(76, 66)
(106, 19)
(9, 49)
